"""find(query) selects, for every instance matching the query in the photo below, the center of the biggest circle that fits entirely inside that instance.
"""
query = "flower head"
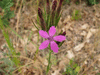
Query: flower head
(50, 39)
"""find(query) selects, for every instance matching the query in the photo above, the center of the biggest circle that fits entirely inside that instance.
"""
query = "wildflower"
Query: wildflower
(50, 39)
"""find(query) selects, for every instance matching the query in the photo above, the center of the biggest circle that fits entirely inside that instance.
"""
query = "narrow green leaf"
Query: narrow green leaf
(36, 26)
(16, 33)
(77, 69)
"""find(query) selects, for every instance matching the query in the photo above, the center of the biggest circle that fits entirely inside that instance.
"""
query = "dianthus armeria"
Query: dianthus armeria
(51, 39)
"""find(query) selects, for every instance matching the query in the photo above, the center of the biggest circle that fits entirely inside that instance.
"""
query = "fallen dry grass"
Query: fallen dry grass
(82, 43)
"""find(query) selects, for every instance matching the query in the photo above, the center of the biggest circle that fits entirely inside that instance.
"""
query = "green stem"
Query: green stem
(37, 49)
(49, 64)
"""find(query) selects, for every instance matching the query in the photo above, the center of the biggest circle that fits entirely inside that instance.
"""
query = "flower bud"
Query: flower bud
(61, 2)
(43, 24)
(59, 8)
(39, 12)
(54, 5)
(48, 7)
(64, 33)
(60, 43)
(47, 1)
(53, 11)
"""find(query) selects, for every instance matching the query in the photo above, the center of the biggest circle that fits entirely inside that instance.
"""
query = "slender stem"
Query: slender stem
(49, 64)
(37, 48)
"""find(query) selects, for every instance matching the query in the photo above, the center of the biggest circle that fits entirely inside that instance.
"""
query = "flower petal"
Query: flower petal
(44, 44)
(59, 38)
(52, 31)
(54, 46)
(43, 34)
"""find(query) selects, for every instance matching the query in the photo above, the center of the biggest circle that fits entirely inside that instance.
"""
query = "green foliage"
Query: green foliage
(54, 60)
(77, 2)
(48, 19)
(67, 1)
(7, 67)
(76, 15)
(11, 51)
(92, 2)
(6, 4)
(72, 68)
(7, 13)
(98, 74)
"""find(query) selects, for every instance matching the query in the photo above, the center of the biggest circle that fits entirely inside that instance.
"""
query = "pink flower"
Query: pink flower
(51, 39)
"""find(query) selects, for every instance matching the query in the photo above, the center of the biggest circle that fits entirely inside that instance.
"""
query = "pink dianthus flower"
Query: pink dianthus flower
(50, 39)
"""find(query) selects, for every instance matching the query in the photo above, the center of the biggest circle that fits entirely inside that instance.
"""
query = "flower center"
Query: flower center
(50, 38)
